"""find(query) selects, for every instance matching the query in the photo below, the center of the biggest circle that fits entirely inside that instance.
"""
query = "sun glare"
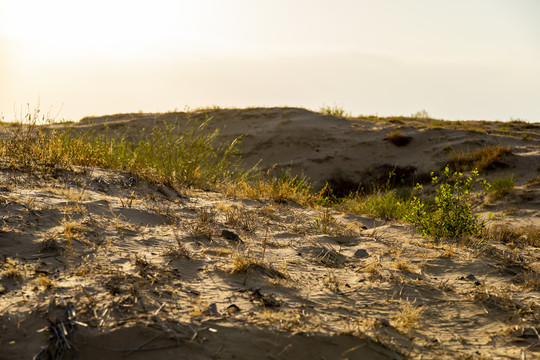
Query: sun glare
(55, 30)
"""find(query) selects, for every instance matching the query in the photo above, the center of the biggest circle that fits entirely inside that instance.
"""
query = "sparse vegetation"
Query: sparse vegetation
(482, 159)
(176, 158)
(520, 235)
(421, 114)
(333, 110)
(384, 205)
(149, 258)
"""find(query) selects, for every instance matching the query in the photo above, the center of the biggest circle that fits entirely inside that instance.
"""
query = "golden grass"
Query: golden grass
(518, 235)
(485, 158)
(73, 230)
(398, 138)
(408, 316)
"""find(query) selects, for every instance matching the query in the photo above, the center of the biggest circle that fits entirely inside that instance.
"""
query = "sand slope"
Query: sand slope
(103, 265)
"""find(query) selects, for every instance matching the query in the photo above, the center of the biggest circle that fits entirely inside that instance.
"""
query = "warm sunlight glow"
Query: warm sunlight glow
(475, 59)
(116, 30)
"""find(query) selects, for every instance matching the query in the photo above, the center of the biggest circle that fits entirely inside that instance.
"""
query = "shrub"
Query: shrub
(450, 215)
(501, 186)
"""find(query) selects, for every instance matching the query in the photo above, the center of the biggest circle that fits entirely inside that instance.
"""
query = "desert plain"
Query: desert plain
(103, 264)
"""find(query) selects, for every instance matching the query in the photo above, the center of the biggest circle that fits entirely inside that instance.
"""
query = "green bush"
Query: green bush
(450, 215)
(501, 186)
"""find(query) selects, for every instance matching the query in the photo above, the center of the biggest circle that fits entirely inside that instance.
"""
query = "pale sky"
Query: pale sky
(459, 59)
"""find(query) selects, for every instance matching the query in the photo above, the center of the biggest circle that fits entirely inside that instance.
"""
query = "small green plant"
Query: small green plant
(450, 215)
(501, 186)
(324, 222)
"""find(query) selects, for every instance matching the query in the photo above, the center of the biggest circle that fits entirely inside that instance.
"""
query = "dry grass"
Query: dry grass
(73, 230)
(204, 226)
(44, 282)
(483, 159)
(241, 262)
(524, 235)
(238, 217)
(408, 316)
(12, 269)
(398, 138)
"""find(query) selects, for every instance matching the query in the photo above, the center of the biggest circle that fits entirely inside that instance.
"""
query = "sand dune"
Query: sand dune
(103, 265)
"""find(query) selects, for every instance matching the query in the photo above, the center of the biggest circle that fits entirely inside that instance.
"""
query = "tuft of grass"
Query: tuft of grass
(386, 205)
(527, 235)
(421, 115)
(44, 281)
(333, 110)
(483, 159)
(408, 316)
(398, 138)
(12, 269)
(501, 186)
(276, 185)
(325, 222)
(72, 230)
(204, 226)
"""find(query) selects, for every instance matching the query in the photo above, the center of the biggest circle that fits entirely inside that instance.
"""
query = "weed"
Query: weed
(451, 215)
(404, 265)
(168, 155)
(324, 222)
(332, 282)
(204, 225)
(241, 262)
(238, 217)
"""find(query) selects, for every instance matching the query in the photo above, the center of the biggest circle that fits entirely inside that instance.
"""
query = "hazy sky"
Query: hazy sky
(459, 59)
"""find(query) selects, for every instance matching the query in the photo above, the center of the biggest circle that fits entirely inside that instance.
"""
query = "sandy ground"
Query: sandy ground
(99, 264)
